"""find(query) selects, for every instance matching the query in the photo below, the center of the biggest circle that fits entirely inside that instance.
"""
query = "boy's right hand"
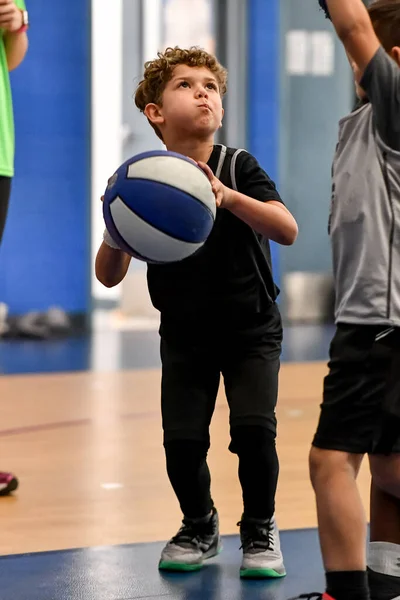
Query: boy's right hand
(107, 239)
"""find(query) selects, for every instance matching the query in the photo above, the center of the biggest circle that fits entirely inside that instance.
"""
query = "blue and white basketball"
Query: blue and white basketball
(159, 207)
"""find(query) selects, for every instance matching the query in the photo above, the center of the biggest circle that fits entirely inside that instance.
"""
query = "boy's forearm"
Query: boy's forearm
(353, 26)
(111, 265)
(16, 46)
(271, 219)
(348, 15)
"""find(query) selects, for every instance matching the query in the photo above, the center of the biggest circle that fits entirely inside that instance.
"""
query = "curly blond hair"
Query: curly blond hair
(159, 71)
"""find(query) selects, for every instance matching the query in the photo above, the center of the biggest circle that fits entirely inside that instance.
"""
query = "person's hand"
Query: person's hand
(110, 179)
(223, 195)
(11, 18)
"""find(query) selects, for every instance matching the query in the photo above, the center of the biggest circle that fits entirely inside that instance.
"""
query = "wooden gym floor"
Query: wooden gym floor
(87, 448)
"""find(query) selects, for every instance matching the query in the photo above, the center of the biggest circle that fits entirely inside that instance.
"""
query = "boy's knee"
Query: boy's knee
(250, 439)
(385, 471)
(185, 452)
(325, 464)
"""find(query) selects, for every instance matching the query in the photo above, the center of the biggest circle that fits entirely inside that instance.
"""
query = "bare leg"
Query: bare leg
(385, 516)
(341, 517)
(384, 549)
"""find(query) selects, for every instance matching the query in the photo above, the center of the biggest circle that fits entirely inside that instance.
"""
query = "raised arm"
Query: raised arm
(353, 26)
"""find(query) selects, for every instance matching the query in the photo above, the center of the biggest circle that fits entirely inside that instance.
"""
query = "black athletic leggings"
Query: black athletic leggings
(5, 190)
(249, 363)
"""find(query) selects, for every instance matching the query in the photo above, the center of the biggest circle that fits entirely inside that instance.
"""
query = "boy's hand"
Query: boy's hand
(223, 195)
(10, 16)
(108, 181)
(106, 235)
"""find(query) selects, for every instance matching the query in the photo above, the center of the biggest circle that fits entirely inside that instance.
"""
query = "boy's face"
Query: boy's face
(191, 104)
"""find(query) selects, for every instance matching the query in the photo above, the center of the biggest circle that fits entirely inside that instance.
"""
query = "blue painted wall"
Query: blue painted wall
(45, 255)
(263, 91)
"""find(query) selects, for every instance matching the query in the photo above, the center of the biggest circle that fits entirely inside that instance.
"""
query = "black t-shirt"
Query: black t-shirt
(231, 274)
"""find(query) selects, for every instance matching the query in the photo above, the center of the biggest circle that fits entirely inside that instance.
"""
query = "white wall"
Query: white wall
(110, 89)
(152, 28)
(106, 116)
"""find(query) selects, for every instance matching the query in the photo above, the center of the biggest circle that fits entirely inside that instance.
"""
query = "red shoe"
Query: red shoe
(8, 483)
(314, 596)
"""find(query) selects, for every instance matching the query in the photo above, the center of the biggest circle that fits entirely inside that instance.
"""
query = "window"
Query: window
(189, 23)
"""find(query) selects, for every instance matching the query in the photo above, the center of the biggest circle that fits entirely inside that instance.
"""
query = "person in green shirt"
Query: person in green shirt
(13, 47)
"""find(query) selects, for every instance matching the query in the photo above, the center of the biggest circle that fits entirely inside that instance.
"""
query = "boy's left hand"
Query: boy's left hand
(223, 195)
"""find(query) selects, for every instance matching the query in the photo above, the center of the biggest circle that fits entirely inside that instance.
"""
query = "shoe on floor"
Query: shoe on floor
(262, 556)
(313, 596)
(8, 483)
(196, 541)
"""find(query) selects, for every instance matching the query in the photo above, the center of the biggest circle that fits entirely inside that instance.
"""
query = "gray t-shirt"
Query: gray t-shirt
(381, 81)
(365, 210)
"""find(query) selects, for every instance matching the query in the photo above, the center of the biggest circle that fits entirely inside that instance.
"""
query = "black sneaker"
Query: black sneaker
(197, 540)
(8, 483)
(382, 586)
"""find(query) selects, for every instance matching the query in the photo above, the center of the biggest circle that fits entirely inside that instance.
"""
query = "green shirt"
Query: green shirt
(6, 111)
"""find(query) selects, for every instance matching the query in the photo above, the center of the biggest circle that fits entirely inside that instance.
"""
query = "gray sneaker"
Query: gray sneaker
(262, 556)
(197, 540)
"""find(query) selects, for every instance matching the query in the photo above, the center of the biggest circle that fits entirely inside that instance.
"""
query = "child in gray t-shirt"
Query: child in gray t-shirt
(362, 391)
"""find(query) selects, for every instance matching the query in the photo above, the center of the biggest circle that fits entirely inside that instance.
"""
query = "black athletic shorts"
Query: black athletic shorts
(248, 356)
(5, 189)
(361, 404)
